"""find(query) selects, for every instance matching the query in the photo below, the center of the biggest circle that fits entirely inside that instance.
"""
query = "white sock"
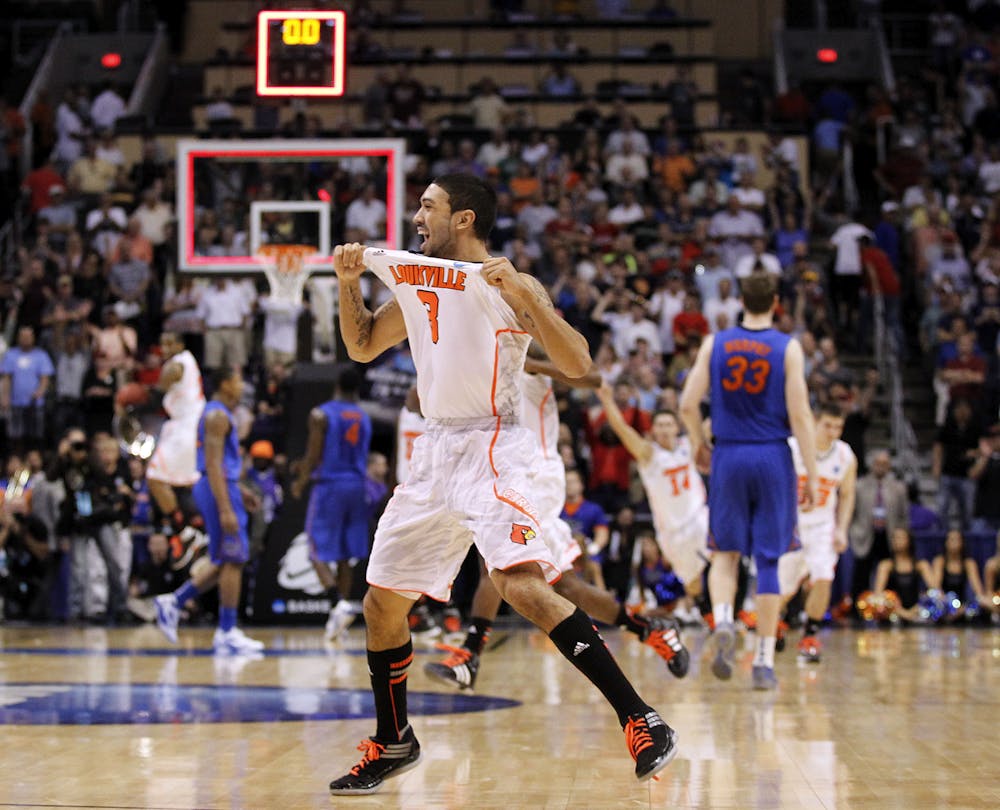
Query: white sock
(723, 614)
(765, 652)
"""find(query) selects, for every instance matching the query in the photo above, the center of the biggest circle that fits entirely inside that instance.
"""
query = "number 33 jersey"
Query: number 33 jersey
(748, 386)
(467, 345)
(673, 486)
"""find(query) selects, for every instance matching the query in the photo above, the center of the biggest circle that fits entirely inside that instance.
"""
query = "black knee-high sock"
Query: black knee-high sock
(578, 640)
(478, 635)
(630, 622)
(388, 670)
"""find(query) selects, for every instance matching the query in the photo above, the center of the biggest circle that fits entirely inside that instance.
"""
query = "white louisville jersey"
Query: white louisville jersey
(185, 400)
(831, 467)
(673, 486)
(541, 413)
(409, 426)
(467, 345)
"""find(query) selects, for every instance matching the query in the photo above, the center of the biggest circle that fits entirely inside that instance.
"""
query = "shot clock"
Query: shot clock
(301, 53)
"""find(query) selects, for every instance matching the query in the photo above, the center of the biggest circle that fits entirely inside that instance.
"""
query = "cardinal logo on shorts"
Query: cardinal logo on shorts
(521, 534)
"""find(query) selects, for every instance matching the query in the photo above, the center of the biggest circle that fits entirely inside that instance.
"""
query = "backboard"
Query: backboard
(235, 195)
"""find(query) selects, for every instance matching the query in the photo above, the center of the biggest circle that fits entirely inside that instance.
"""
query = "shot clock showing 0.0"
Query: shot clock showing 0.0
(301, 53)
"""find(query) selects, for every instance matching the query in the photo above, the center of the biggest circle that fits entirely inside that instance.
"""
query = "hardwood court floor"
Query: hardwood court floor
(117, 719)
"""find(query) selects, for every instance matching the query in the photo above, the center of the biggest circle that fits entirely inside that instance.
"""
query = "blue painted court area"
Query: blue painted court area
(93, 704)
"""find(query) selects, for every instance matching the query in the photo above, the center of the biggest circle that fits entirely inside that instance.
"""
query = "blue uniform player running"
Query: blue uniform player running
(220, 499)
(337, 520)
(754, 377)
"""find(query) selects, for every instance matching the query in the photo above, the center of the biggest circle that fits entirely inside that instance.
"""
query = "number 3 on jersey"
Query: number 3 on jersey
(430, 301)
(750, 376)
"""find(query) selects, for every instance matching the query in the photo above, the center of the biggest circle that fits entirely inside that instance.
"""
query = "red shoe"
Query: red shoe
(749, 619)
(810, 649)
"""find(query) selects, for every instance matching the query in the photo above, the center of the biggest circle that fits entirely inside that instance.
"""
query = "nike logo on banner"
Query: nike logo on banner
(579, 648)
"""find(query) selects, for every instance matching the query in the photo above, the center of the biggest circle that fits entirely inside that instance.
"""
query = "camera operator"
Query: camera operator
(29, 567)
(97, 507)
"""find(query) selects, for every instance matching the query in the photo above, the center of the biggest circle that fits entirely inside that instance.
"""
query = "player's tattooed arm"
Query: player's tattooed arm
(525, 294)
(366, 335)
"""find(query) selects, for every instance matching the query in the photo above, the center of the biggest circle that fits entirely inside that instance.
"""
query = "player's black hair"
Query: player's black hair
(668, 412)
(466, 192)
(218, 376)
(349, 381)
(758, 291)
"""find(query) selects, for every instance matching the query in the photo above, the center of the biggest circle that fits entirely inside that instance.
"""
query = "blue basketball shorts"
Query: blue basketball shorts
(753, 500)
(337, 520)
(223, 548)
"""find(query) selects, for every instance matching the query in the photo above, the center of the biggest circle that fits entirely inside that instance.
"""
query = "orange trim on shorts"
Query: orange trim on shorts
(541, 420)
(496, 431)
(541, 564)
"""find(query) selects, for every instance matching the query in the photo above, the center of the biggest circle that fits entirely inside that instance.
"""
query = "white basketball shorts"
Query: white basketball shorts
(817, 558)
(469, 483)
(174, 460)
(548, 491)
(686, 547)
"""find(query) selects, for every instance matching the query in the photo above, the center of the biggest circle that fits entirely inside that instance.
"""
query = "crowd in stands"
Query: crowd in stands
(641, 237)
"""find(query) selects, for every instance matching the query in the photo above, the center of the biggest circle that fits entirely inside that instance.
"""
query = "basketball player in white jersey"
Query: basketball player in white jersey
(823, 529)
(410, 425)
(174, 461)
(469, 318)
(673, 487)
(541, 416)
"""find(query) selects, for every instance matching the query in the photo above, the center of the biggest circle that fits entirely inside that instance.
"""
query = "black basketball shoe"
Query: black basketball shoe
(379, 762)
(651, 742)
(458, 670)
(664, 636)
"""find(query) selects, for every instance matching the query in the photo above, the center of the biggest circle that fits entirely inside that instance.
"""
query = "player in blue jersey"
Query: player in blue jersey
(340, 435)
(220, 499)
(754, 377)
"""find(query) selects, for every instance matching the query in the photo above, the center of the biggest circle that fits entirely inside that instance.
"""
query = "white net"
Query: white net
(286, 271)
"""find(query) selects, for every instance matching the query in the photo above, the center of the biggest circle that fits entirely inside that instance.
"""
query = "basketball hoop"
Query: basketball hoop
(286, 271)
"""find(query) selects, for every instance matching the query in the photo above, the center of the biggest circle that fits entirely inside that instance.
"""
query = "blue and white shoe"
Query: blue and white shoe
(235, 642)
(764, 679)
(168, 615)
(725, 646)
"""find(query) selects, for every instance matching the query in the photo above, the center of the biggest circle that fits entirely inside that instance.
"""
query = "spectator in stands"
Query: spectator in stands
(750, 197)
(559, 83)
(758, 255)
(218, 107)
(954, 453)
(104, 224)
(985, 472)
(682, 94)
(986, 318)
(72, 362)
(70, 132)
(365, 219)
(107, 108)
(115, 345)
(405, 99)
(489, 109)
(965, 374)
(881, 507)
(89, 175)
(847, 270)
(128, 283)
(109, 151)
(879, 280)
(60, 215)
(690, 323)
(223, 310)
(25, 375)
(626, 168)
(734, 228)
(609, 459)
(723, 308)
(64, 314)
